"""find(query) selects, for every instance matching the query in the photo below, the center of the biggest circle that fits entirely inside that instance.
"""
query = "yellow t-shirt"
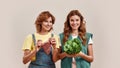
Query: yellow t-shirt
(29, 43)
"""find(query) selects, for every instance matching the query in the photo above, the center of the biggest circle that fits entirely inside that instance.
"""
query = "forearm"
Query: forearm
(55, 55)
(62, 55)
(29, 56)
(88, 58)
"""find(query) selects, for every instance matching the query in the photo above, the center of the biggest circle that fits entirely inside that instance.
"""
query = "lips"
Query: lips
(74, 25)
(48, 27)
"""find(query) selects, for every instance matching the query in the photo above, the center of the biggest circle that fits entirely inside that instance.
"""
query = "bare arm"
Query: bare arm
(55, 55)
(88, 57)
(28, 55)
(64, 54)
(60, 55)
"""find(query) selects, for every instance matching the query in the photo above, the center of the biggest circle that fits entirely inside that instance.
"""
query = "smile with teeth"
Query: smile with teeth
(74, 25)
(48, 27)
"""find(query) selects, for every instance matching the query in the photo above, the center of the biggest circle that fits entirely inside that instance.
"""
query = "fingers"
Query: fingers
(39, 43)
(71, 55)
(52, 41)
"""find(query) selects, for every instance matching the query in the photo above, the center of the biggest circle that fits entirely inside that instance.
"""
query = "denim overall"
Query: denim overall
(80, 62)
(42, 59)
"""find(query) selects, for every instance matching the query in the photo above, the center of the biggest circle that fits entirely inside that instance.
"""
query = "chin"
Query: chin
(74, 28)
(48, 29)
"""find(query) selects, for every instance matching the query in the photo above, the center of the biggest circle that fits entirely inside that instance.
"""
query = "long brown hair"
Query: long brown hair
(43, 16)
(68, 29)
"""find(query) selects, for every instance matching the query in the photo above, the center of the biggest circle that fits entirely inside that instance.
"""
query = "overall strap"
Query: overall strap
(52, 35)
(34, 40)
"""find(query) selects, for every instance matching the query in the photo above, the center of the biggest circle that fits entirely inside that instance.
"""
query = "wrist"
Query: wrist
(34, 51)
(81, 54)
(65, 54)
(54, 46)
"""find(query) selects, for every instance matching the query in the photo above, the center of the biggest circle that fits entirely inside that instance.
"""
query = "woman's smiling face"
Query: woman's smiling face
(47, 25)
(75, 22)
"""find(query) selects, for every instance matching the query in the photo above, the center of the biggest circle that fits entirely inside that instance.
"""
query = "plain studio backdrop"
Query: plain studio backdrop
(17, 19)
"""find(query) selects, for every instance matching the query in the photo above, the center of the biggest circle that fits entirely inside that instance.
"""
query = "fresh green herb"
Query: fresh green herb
(72, 46)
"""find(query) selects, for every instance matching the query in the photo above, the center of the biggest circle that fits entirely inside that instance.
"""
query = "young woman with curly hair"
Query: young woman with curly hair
(74, 27)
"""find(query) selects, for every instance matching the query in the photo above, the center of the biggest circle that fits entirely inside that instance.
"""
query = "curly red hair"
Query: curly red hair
(43, 16)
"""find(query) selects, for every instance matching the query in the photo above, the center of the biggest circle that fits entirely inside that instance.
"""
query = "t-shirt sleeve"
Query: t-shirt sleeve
(27, 43)
(90, 41)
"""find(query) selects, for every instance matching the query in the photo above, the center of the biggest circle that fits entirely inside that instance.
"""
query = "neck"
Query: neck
(43, 32)
(75, 32)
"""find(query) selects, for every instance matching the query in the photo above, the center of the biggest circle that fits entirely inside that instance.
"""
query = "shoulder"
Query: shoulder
(29, 36)
(61, 34)
(55, 35)
(88, 34)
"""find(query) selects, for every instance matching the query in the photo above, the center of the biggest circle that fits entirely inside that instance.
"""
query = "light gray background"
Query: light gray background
(17, 21)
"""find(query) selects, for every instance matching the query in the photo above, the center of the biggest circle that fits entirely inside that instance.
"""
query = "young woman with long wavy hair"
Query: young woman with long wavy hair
(74, 27)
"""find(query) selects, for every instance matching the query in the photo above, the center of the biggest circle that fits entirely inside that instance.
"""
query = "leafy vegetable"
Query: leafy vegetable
(72, 46)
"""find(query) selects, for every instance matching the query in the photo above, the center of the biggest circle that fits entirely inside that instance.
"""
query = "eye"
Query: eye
(77, 19)
(71, 20)
(50, 21)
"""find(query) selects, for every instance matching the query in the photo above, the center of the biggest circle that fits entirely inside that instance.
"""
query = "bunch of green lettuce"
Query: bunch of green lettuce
(72, 46)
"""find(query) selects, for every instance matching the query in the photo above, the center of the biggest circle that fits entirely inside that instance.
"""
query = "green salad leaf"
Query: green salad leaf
(72, 46)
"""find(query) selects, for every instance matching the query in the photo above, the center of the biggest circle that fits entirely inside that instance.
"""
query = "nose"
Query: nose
(74, 22)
